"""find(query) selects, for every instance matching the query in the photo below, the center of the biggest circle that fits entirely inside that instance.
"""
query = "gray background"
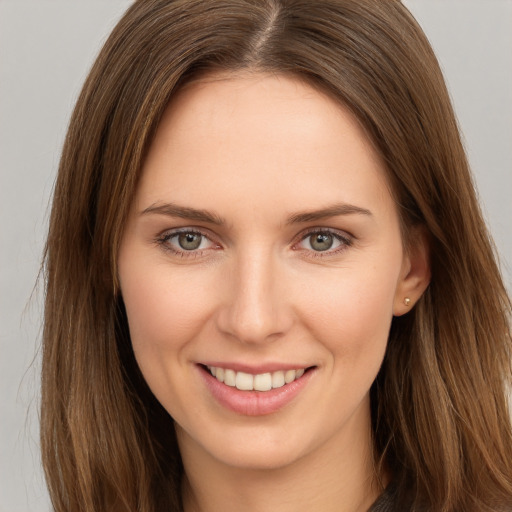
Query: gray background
(46, 48)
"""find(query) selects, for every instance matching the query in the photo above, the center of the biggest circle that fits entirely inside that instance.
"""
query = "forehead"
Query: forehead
(247, 135)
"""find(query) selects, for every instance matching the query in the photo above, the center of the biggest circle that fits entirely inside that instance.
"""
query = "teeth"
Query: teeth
(278, 379)
(263, 382)
(289, 376)
(244, 381)
(230, 378)
(260, 382)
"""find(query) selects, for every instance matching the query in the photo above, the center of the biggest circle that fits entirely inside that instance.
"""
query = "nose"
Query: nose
(257, 304)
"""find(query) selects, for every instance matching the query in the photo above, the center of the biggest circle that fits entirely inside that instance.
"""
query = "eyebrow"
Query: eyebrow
(183, 212)
(325, 213)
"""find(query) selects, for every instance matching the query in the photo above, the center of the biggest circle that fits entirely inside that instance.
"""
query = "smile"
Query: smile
(259, 382)
(255, 394)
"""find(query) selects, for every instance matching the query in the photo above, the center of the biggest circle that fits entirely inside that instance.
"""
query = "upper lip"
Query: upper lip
(256, 369)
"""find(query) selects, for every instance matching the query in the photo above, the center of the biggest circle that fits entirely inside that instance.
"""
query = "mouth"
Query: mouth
(259, 382)
(255, 394)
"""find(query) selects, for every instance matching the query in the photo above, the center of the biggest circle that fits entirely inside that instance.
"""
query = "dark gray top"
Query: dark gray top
(386, 502)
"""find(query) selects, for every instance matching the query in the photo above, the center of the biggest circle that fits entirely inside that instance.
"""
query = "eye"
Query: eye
(324, 241)
(186, 242)
(321, 241)
(189, 241)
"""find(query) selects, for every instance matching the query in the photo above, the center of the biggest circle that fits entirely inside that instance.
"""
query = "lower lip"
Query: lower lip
(254, 403)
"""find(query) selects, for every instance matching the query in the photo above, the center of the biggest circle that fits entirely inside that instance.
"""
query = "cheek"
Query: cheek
(352, 313)
(165, 314)
(165, 311)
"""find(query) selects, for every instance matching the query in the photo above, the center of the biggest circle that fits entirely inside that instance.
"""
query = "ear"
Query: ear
(415, 272)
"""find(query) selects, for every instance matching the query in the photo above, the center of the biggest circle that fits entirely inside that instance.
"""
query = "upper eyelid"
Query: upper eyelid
(164, 236)
(318, 229)
(305, 232)
(167, 233)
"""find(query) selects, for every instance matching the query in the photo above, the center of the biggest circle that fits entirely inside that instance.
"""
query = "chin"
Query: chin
(252, 449)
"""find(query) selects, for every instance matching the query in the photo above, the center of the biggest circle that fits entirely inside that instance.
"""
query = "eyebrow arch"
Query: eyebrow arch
(330, 211)
(184, 212)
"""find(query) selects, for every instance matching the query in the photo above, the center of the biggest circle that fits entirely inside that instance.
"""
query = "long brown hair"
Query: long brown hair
(439, 405)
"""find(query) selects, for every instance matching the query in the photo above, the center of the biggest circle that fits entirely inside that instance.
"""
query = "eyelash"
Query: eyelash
(342, 237)
(164, 239)
(345, 240)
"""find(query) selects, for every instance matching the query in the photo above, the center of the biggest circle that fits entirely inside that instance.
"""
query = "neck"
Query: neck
(337, 477)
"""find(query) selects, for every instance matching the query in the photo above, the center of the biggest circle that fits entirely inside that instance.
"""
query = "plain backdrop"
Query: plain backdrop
(46, 48)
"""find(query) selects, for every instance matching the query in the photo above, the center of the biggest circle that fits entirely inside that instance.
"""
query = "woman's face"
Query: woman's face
(263, 239)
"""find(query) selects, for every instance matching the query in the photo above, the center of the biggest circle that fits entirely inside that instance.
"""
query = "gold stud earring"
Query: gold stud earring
(407, 301)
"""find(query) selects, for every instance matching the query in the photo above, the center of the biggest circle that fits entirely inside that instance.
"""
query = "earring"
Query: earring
(407, 301)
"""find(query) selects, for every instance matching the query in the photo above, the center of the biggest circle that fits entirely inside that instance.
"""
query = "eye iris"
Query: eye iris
(321, 241)
(189, 241)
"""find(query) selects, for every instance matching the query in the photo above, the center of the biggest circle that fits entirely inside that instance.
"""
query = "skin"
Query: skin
(256, 151)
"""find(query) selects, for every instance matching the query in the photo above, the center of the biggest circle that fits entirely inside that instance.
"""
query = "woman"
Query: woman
(269, 282)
